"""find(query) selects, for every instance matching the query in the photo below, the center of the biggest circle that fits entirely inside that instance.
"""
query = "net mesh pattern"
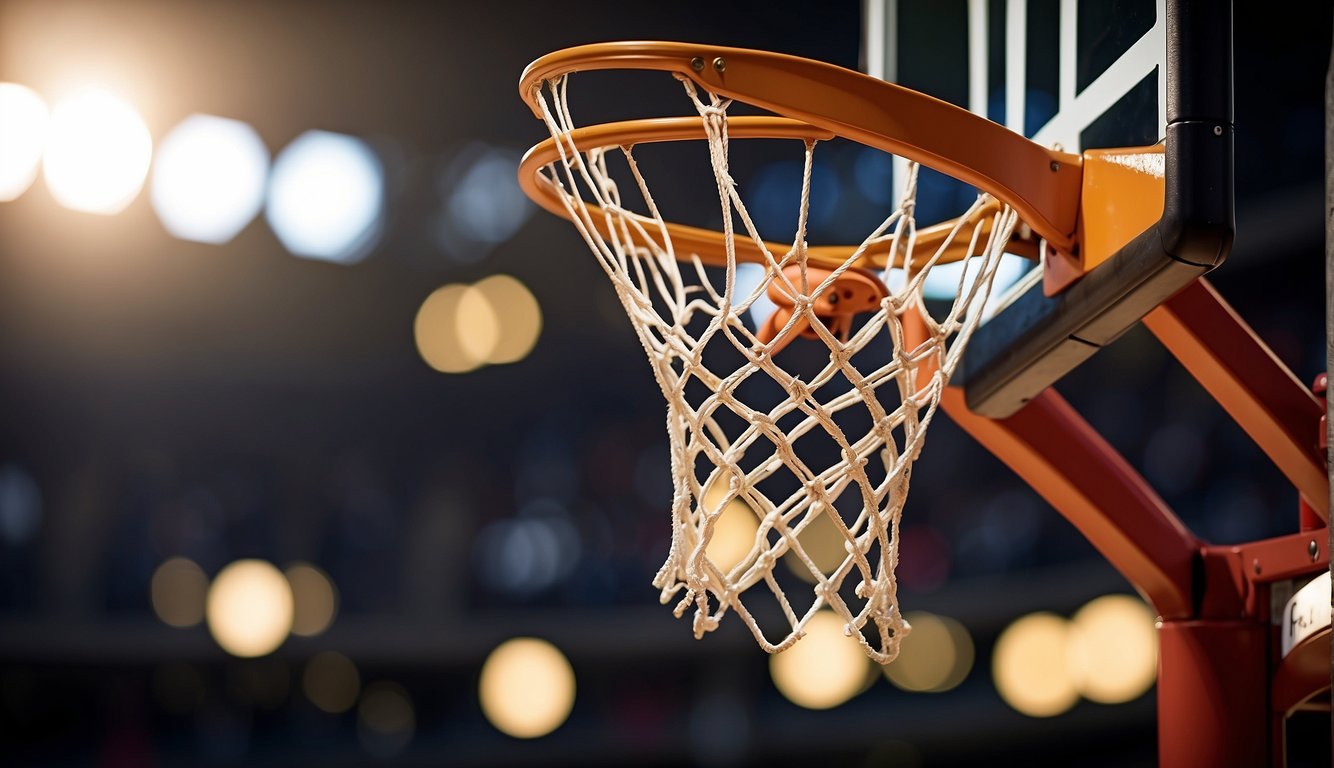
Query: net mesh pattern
(794, 456)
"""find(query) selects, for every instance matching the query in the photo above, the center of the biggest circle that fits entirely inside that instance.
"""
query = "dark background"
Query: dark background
(171, 398)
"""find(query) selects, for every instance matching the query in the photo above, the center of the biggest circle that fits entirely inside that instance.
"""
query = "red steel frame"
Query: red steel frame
(1223, 691)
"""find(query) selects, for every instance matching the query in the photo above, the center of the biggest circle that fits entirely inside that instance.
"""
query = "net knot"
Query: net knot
(798, 391)
(851, 458)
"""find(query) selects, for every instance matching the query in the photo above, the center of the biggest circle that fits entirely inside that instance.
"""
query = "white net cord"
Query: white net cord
(835, 449)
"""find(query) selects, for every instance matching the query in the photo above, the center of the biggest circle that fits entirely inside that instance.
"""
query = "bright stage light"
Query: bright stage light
(1113, 653)
(22, 136)
(208, 179)
(97, 152)
(326, 197)
(527, 687)
(517, 314)
(1029, 666)
(824, 669)
(935, 657)
(249, 608)
(436, 330)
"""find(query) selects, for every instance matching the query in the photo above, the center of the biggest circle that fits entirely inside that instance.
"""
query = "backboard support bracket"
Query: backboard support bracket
(1037, 339)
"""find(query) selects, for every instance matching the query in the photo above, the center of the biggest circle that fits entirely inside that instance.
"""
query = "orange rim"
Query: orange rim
(710, 245)
(1042, 185)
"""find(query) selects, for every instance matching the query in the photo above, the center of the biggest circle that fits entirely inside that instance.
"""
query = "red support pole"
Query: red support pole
(1213, 691)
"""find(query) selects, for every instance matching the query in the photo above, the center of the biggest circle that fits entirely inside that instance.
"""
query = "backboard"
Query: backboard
(1079, 75)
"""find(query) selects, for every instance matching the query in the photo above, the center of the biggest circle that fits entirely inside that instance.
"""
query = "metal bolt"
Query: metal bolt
(697, 64)
(1055, 166)
(1218, 130)
(1313, 549)
(719, 64)
(1256, 566)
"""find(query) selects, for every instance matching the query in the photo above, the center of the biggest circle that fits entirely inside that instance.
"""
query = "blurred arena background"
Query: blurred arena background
(288, 458)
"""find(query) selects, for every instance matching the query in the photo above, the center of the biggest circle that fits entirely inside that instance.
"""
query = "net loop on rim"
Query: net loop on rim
(810, 463)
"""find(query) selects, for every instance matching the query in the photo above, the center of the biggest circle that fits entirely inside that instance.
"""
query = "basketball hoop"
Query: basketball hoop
(753, 432)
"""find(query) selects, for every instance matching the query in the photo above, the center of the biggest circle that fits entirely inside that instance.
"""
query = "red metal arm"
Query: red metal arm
(1071, 466)
(1221, 351)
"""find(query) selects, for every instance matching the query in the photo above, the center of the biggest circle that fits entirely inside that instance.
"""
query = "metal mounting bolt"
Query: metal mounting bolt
(720, 64)
(1055, 166)
(1218, 130)
(697, 64)
(1255, 565)
(1313, 549)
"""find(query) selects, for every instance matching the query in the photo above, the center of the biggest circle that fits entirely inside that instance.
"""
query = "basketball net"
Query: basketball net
(866, 407)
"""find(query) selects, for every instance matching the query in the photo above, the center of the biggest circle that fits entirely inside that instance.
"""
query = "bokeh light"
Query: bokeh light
(436, 332)
(177, 591)
(1029, 668)
(517, 314)
(386, 719)
(483, 205)
(208, 178)
(527, 687)
(823, 669)
(529, 554)
(943, 280)
(97, 152)
(823, 543)
(1113, 649)
(733, 532)
(460, 328)
(477, 324)
(22, 137)
(20, 505)
(314, 599)
(331, 682)
(935, 657)
(749, 276)
(326, 197)
(249, 608)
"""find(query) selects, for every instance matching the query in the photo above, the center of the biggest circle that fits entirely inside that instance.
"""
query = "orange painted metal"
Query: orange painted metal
(851, 293)
(1071, 466)
(1238, 370)
(1041, 184)
(709, 245)
(1122, 195)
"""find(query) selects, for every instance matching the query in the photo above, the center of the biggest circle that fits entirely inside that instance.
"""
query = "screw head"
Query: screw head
(1055, 166)
(720, 64)
(1255, 565)
(1218, 130)
(697, 64)
(1313, 549)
